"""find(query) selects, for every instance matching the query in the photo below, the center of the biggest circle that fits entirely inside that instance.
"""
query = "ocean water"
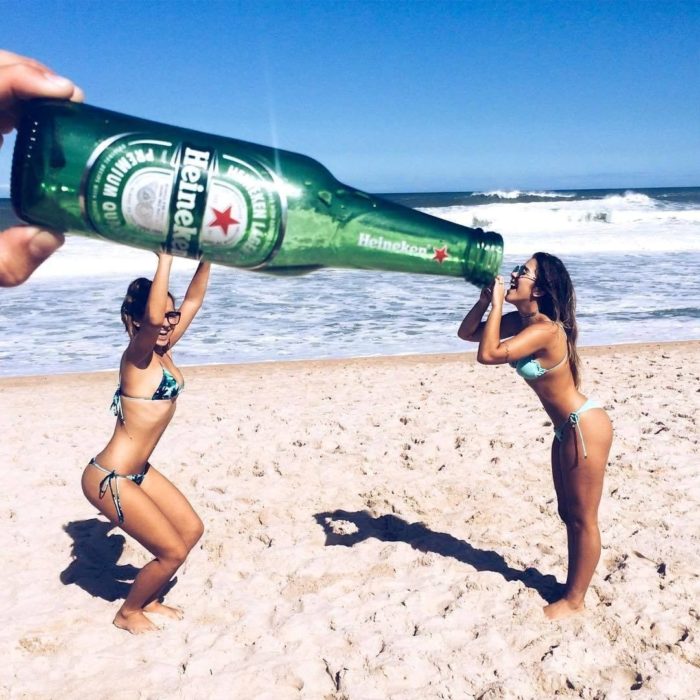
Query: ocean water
(634, 256)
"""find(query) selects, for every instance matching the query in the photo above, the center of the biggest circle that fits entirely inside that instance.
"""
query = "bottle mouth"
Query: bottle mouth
(17, 171)
(484, 257)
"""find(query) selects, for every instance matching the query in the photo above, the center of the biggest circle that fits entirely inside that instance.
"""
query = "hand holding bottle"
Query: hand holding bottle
(486, 292)
(24, 248)
(498, 293)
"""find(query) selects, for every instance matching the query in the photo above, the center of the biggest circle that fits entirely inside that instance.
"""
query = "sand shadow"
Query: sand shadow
(95, 555)
(391, 528)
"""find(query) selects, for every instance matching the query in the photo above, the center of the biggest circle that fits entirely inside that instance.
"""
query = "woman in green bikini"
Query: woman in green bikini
(539, 342)
(119, 481)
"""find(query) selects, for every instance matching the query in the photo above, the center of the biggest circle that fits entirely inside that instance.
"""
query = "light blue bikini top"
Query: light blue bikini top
(169, 388)
(530, 369)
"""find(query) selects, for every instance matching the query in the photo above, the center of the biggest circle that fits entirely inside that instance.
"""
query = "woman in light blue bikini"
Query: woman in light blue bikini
(539, 342)
(119, 481)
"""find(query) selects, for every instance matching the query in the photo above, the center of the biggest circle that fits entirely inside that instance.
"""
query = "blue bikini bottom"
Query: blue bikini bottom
(573, 421)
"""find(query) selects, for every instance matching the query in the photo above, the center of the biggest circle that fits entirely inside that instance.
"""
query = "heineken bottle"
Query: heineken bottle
(85, 170)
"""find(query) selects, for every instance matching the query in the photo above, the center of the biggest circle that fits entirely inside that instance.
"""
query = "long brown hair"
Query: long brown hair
(558, 302)
(134, 304)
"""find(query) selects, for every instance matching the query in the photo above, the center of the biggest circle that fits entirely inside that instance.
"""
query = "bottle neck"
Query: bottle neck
(369, 232)
(394, 237)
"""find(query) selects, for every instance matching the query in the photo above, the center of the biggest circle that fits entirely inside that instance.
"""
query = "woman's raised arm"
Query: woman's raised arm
(472, 327)
(192, 302)
(143, 342)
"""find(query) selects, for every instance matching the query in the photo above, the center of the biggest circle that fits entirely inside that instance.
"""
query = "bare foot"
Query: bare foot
(561, 609)
(135, 622)
(159, 609)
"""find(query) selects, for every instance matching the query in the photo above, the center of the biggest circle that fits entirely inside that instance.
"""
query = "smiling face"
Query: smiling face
(133, 324)
(522, 282)
(172, 318)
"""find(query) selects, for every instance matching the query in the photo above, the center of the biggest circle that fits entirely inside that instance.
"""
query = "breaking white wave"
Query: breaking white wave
(87, 257)
(614, 224)
(517, 194)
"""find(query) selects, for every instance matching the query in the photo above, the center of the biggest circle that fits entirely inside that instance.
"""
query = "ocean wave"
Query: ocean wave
(630, 198)
(616, 223)
(517, 194)
(88, 257)
(254, 318)
(685, 313)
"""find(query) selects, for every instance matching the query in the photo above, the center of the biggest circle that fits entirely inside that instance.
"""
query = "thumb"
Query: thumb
(22, 250)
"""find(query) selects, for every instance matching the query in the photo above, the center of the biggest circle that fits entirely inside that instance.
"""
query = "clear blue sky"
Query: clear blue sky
(400, 96)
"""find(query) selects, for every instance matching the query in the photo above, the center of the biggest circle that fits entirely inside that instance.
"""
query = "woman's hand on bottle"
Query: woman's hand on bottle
(24, 248)
(486, 293)
(498, 293)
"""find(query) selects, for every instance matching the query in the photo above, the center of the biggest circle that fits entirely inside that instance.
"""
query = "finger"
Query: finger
(78, 95)
(22, 250)
(8, 58)
(21, 81)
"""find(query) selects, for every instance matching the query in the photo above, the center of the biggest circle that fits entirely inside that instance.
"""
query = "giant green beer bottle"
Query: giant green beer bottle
(86, 170)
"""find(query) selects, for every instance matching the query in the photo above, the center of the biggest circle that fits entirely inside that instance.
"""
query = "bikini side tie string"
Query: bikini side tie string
(110, 482)
(574, 419)
(114, 490)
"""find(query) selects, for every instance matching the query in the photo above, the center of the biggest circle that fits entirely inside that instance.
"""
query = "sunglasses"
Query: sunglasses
(173, 317)
(522, 271)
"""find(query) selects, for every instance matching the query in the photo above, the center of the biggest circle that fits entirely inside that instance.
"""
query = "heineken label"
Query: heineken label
(190, 199)
(402, 246)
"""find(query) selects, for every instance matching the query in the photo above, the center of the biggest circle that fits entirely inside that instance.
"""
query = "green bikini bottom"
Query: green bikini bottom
(111, 482)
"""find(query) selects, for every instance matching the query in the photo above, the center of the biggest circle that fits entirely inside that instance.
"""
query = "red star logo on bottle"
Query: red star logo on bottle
(440, 254)
(223, 219)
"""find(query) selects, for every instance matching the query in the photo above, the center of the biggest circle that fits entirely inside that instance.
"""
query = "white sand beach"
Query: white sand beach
(378, 528)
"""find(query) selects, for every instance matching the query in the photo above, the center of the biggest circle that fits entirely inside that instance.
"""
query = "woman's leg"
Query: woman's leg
(174, 505)
(562, 507)
(179, 512)
(145, 522)
(582, 482)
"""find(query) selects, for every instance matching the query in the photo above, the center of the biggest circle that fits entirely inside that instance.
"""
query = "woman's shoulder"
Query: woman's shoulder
(129, 363)
(544, 327)
(545, 334)
(548, 326)
(166, 360)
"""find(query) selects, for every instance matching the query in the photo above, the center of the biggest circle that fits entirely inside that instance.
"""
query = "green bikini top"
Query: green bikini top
(168, 389)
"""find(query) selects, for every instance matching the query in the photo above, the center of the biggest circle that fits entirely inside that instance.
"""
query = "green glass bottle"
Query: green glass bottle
(86, 170)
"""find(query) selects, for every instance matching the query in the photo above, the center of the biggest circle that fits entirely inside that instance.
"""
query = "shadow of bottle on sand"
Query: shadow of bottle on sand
(390, 528)
(95, 555)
